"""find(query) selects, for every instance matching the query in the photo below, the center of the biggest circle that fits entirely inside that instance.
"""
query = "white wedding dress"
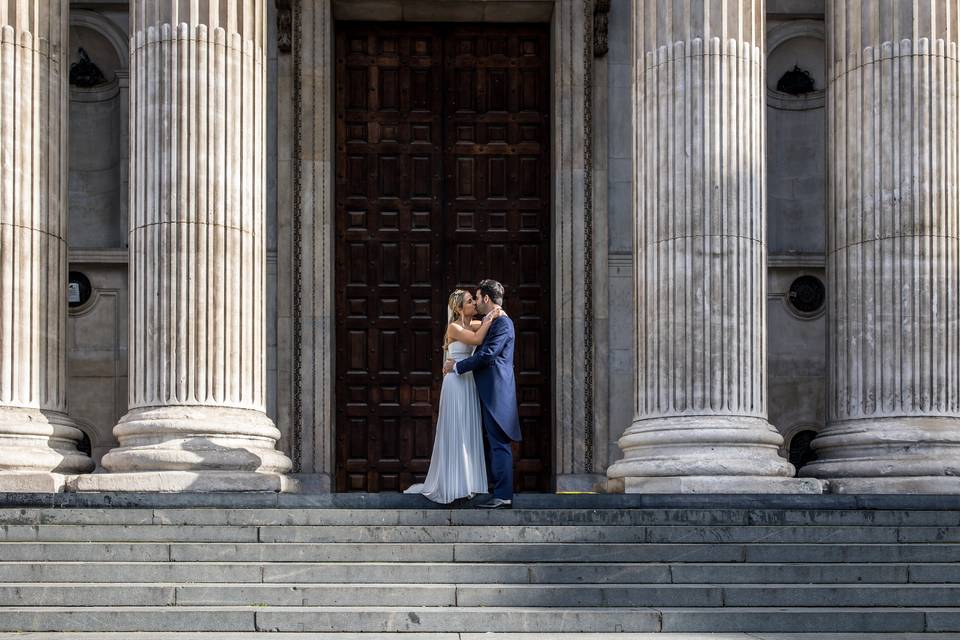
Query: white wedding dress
(457, 466)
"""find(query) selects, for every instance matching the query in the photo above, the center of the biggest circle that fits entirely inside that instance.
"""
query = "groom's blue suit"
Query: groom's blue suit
(492, 367)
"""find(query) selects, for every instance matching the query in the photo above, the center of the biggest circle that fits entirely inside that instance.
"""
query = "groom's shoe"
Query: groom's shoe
(497, 503)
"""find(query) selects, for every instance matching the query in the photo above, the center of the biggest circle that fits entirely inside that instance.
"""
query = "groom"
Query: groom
(492, 364)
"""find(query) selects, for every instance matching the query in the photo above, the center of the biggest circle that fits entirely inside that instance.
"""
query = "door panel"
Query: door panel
(497, 209)
(442, 178)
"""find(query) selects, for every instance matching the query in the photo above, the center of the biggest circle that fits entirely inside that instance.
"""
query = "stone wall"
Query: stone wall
(620, 359)
(97, 335)
(796, 179)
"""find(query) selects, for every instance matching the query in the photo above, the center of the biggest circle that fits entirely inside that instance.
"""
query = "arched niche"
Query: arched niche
(797, 443)
(97, 135)
(796, 139)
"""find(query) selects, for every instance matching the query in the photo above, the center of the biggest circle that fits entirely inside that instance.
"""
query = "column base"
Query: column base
(715, 485)
(701, 446)
(907, 454)
(42, 442)
(197, 439)
(183, 482)
(32, 482)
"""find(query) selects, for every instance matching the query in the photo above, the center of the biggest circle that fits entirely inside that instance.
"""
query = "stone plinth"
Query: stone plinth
(893, 231)
(197, 416)
(701, 256)
(38, 441)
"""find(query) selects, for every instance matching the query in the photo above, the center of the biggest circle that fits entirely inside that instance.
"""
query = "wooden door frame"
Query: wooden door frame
(578, 145)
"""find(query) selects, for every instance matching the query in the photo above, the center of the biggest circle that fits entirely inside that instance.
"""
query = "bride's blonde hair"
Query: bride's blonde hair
(454, 311)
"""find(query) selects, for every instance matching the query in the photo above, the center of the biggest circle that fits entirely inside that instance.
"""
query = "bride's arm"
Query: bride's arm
(469, 336)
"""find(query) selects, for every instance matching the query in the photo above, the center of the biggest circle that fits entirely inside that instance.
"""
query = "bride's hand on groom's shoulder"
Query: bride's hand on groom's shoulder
(496, 313)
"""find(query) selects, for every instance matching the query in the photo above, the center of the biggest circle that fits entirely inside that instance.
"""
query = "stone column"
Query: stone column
(701, 409)
(197, 418)
(38, 442)
(893, 228)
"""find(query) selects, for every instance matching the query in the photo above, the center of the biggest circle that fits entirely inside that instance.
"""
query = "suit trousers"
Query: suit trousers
(499, 456)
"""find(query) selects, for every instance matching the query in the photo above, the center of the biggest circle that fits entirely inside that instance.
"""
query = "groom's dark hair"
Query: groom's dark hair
(493, 289)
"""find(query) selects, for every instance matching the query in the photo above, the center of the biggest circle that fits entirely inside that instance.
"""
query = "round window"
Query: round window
(807, 295)
(78, 289)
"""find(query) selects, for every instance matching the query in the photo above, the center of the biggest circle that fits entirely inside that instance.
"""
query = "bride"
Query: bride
(457, 466)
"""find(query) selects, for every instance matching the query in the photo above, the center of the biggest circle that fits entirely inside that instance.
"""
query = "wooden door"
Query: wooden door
(497, 212)
(442, 178)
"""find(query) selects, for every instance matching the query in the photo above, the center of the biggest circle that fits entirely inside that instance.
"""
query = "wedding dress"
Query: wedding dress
(457, 466)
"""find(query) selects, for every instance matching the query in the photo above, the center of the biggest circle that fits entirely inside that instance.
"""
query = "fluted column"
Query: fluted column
(894, 347)
(701, 404)
(38, 442)
(197, 401)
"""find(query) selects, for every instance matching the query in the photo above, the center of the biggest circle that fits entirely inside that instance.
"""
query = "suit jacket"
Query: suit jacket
(492, 366)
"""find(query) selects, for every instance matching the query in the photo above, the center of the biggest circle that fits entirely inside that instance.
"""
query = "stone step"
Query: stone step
(476, 636)
(524, 501)
(467, 619)
(478, 595)
(477, 552)
(477, 573)
(485, 533)
(479, 517)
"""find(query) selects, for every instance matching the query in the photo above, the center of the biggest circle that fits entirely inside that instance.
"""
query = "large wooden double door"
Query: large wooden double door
(442, 179)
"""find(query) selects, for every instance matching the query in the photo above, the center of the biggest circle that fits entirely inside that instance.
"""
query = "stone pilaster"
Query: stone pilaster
(197, 416)
(894, 277)
(38, 442)
(701, 407)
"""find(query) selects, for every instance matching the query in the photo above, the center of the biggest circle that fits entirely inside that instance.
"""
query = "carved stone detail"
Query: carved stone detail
(601, 20)
(284, 26)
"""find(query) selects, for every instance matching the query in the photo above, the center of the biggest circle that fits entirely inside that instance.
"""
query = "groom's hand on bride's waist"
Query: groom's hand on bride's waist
(448, 367)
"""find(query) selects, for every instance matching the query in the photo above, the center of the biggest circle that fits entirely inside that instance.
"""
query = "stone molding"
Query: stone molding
(445, 10)
(796, 261)
(590, 12)
(311, 227)
(785, 31)
(99, 93)
(790, 432)
(108, 29)
(99, 256)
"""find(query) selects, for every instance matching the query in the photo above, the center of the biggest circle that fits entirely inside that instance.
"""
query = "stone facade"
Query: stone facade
(695, 211)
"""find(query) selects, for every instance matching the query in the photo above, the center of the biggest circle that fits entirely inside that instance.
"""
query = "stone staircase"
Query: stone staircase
(654, 564)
